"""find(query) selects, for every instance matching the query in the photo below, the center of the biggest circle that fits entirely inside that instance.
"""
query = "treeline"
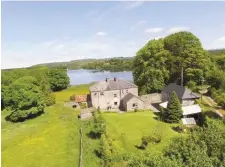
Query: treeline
(112, 64)
(164, 60)
(26, 92)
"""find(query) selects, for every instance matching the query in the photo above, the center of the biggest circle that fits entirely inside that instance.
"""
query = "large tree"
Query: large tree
(25, 98)
(173, 111)
(149, 68)
(58, 79)
(161, 61)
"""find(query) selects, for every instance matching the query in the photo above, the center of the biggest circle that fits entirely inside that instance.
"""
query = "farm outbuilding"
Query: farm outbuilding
(131, 102)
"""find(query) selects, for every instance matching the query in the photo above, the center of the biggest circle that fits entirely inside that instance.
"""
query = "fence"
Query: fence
(81, 148)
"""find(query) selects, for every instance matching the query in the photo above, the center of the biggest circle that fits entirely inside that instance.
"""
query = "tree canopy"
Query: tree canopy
(27, 91)
(58, 79)
(161, 61)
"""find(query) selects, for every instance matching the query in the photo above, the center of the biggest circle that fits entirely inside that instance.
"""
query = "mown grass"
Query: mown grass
(89, 147)
(127, 130)
(73, 90)
(50, 140)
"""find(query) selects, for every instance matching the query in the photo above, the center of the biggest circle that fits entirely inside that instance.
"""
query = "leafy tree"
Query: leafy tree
(187, 52)
(173, 112)
(25, 98)
(149, 67)
(58, 79)
(161, 61)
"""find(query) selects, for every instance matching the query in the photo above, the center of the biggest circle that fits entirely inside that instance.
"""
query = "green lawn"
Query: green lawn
(127, 130)
(89, 146)
(50, 140)
(74, 90)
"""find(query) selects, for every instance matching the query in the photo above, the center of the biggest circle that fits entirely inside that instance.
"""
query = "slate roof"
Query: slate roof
(129, 96)
(112, 84)
(182, 92)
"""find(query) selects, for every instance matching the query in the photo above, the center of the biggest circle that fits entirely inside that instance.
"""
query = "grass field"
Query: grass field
(74, 90)
(127, 130)
(50, 140)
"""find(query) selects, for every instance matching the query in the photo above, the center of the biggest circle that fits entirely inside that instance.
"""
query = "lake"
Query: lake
(78, 77)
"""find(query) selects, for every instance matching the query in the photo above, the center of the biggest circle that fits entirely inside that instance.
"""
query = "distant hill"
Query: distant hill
(110, 64)
(216, 51)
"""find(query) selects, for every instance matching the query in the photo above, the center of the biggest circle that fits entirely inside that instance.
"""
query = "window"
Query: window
(102, 93)
(115, 103)
(126, 90)
(135, 104)
(115, 95)
(95, 94)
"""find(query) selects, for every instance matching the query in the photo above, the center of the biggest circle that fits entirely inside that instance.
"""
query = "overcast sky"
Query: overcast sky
(40, 32)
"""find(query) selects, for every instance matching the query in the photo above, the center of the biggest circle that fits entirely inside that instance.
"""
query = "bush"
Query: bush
(49, 100)
(156, 138)
(22, 115)
(83, 105)
(191, 85)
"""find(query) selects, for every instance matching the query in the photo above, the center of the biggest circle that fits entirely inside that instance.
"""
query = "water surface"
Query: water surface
(78, 77)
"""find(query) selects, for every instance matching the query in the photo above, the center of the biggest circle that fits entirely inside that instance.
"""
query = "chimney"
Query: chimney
(106, 79)
(114, 78)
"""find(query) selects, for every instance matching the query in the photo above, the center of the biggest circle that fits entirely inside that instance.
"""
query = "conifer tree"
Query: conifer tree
(173, 113)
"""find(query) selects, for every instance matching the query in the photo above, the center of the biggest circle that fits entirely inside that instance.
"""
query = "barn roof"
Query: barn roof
(130, 96)
(81, 98)
(192, 109)
(182, 92)
(187, 110)
(112, 84)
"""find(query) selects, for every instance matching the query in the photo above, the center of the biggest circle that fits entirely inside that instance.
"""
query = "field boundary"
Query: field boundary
(81, 148)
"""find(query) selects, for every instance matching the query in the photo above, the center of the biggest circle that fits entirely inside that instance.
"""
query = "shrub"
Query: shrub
(49, 100)
(83, 105)
(156, 138)
(22, 115)
(144, 142)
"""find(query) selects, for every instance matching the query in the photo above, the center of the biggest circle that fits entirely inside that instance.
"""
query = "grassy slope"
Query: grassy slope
(89, 146)
(53, 138)
(65, 94)
(50, 140)
(128, 129)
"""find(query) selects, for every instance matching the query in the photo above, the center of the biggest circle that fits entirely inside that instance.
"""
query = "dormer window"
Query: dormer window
(126, 90)
(102, 93)
(95, 94)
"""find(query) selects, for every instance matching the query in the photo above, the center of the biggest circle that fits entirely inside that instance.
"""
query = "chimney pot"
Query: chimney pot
(106, 79)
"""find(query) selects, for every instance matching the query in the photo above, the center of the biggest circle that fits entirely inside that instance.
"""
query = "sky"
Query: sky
(42, 32)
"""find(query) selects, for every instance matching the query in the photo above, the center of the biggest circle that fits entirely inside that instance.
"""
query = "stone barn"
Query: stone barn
(131, 102)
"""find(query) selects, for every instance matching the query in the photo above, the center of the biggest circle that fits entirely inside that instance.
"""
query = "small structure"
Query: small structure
(188, 122)
(86, 113)
(191, 110)
(187, 110)
(80, 98)
(131, 102)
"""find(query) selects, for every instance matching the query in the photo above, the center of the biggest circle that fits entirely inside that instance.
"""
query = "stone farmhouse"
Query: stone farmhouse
(115, 94)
